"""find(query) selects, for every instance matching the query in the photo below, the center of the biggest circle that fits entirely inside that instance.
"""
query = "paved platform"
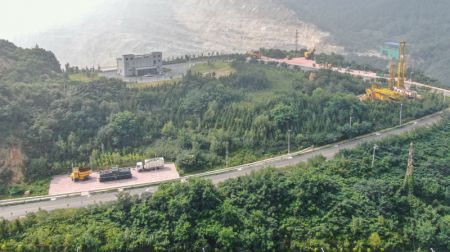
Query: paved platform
(63, 184)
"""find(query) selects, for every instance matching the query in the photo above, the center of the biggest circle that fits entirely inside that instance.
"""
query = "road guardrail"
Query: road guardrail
(210, 173)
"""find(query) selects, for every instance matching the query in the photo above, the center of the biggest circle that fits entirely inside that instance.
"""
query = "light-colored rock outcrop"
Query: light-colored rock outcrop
(179, 27)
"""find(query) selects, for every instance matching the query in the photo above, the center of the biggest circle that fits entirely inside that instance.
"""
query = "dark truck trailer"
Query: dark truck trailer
(115, 174)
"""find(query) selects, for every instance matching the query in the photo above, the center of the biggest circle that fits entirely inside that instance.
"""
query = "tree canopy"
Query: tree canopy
(343, 204)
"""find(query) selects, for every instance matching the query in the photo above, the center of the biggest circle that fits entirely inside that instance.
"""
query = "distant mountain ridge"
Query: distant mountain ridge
(365, 25)
(180, 27)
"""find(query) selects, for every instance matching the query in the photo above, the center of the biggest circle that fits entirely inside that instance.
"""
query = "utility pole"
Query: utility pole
(289, 142)
(226, 154)
(351, 114)
(409, 176)
(375, 147)
(296, 41)
(64, 86)
(401, 111)
(410, 168)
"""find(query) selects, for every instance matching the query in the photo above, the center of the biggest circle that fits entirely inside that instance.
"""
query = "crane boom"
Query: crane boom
(401, 65)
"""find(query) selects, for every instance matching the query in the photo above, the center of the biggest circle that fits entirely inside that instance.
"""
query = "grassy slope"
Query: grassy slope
(82, 77)
(144, 85)
(281, 79)
(219, 68)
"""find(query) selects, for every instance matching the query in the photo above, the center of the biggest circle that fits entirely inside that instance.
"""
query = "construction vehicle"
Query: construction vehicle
(150, 164)
(381, 94)
(115, 173)
(395, 90)
(79, 173)
(254, 54)
(309, 55)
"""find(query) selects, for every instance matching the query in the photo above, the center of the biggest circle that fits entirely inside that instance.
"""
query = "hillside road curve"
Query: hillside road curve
(328, 151)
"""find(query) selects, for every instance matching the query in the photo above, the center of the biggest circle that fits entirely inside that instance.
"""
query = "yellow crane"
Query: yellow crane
(254, 54)
(381, 94)
(395, 90)
(309, 54)
(401, 65)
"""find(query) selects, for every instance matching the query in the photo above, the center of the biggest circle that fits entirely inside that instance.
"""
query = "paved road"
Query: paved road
(312, 65)
(16, 211)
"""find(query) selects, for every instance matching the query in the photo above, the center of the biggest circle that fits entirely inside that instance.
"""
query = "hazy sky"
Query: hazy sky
(22, 17)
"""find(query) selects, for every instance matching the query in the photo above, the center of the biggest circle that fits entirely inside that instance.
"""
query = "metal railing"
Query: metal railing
(265, 162)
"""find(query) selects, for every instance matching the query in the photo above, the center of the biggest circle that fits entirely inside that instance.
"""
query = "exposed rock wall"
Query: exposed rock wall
(178, 27)
(232, 25)
(12, 159)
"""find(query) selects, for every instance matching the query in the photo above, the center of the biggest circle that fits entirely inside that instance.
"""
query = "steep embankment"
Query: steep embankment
(11, 161)
(18, 65)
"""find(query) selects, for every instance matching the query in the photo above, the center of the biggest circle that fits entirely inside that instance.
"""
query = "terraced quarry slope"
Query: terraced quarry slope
(177, 28)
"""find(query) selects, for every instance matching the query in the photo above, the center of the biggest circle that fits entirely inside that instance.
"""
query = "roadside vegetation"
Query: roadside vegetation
(84, 77)
(344, 204)
(152, 84)
(58, 123)
(213, 69)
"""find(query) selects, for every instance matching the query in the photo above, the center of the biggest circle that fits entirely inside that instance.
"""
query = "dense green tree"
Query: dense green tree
(59, 123)
(340, 204)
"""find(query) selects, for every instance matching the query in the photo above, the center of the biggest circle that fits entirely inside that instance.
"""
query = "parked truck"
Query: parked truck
(150, 164)
(115, 173)
(80, 173)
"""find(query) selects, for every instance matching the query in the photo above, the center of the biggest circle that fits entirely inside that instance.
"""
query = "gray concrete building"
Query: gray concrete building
(139, 65)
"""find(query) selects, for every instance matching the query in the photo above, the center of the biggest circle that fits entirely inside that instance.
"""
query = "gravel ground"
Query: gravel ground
(63, 184)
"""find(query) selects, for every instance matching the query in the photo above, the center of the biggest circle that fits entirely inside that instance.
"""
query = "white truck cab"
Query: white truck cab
(139, 166)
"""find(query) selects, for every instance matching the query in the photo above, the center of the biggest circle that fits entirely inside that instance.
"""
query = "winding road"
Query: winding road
(12, 211)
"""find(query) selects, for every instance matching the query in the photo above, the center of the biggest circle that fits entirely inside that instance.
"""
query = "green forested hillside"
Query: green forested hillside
(26, 65)
(343, 204)
(59, 122)
(365, 24)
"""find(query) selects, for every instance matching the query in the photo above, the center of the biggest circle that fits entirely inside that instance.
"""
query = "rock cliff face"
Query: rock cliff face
(232, 25)
(11, 162)
(178, 27)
